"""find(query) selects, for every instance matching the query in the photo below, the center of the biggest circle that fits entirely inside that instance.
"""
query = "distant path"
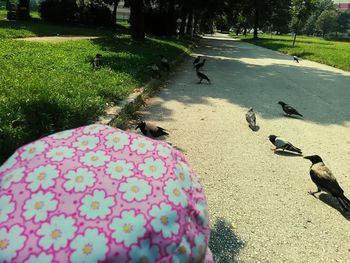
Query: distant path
(262, 195)
(55, 39)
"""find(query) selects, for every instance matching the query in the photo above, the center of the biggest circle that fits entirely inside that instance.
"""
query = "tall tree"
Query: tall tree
(137, 19)
(327, 22)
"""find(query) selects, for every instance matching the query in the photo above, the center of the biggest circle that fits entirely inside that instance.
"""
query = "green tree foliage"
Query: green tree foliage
(327, 22)
(343, 21)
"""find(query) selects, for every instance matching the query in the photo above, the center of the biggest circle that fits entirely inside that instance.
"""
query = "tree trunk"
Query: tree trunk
(183, 19)
(189, 23)
(171, 14)
(137, 20)
(23, 10)
(114, 13)
(256, 22)
(195, 25)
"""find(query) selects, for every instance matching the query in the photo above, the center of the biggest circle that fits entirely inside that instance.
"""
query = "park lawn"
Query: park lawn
(48, 87)
(333, 53)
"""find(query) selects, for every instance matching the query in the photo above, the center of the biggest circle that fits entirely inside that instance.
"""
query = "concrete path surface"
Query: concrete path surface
(259, 205)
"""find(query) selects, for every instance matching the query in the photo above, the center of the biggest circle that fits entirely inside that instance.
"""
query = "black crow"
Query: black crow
(154, 70)
(325, 181)
(202, 76)
(251, 119)
(164, 62)
(150, 130)
(283, 144)
(296, 59)
(200, 64)
(97, 61)
(289, 109)
(197, 59)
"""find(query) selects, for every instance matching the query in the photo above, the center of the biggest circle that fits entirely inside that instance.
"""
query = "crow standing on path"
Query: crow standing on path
(199, 65)
(202, 76)
(251, 119)
(164, 62)
(283, 144)
(296, 59)
(151, 130)
(197, 59)
(325, 181)
(289, 110)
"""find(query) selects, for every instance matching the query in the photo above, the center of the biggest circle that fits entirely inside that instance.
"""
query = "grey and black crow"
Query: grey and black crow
(154, 70)
(197, 59)
(283, 144)
(289, 109)
(296, 59)
(164, 62)
(251, 119)
(151, 130)
(199, 65)
(97, 61)
(202, 76)
(325, 181)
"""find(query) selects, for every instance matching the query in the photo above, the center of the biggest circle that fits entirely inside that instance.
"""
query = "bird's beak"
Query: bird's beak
(306, 157)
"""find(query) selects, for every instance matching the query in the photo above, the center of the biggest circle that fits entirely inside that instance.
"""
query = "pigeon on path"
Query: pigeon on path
(151, 130)
(251, 119)
(289, 110)
(283, 144)
(325, 181)
(202, 76)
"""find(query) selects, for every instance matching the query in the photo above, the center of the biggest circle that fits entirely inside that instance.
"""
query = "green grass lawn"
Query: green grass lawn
(47, 87)
(333, 53)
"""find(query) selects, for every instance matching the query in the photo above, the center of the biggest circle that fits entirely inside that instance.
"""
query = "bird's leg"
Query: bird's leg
(313, 193)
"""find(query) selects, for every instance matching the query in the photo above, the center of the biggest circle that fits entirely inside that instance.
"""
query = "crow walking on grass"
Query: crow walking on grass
(325, 181)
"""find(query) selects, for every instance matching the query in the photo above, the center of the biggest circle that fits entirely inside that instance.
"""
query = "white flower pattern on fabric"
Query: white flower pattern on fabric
(6, 207)
(11, 161)
(96, 205)
(183, 176)
(90, 247)
(199, 248)
(164, 220)
(135, 189)
(33, 149)
(10, 242)
(79, 180)
(117, 140)
(152, 167)
(175, 193)
(98, 158)
(41, 258)
(42, 176)
(62, 135)
(144, 253)
(59, 153)
(13, 177)
(57, 233)
(181, 252)
(163, 151)
(39, 205)
(94, 129)
(119, 169)
(128, 228)
(141, 145)
(86, 142)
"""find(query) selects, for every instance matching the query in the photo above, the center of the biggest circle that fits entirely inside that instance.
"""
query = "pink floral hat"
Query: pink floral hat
(100, 194)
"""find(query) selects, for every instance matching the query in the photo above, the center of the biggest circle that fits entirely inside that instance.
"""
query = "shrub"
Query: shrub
(95, 13)
(62, 11)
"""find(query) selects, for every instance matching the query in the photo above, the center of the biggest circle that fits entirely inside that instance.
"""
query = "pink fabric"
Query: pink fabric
(97, 193)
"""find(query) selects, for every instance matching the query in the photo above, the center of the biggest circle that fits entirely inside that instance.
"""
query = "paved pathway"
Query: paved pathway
(258, 202)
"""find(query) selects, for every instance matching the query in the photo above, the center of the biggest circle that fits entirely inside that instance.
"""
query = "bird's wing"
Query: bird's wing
(290, 109)
(160, 128)
(325, 180)
(280, 142)
(250, 117)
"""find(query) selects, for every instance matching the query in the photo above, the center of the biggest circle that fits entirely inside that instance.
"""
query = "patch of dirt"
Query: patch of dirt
(56, 39)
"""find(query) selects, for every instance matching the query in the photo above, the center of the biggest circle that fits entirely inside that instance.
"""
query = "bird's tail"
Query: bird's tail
(344, 202)
(253, 127)
(299, 114)
(294, 149)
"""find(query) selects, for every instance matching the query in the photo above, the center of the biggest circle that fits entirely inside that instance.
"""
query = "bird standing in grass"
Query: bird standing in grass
(202, 76)
(164, 62)
(251, 119)
(289, 110)
(296, 59)
(325, 181)
(97, 61)
(151, 130)
(154, 70)
(283, 144)
(197, 59)
(200, 65)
